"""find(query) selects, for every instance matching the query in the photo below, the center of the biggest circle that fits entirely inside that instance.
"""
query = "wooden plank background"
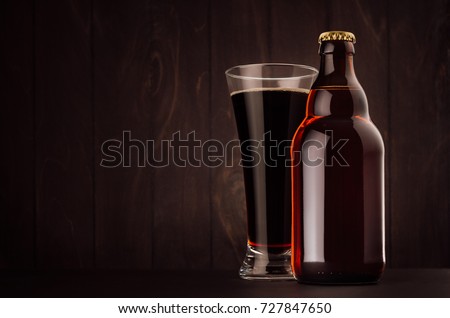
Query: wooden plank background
(17, 92)
(75, 74)
(63, 132)
(121, 62)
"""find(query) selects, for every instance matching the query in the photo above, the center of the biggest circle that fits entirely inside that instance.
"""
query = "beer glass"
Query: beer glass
(269, 103)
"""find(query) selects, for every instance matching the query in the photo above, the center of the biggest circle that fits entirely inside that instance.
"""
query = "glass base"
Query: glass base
(266, 266)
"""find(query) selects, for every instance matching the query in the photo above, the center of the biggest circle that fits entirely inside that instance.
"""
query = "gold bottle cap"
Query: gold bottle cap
(337, 36)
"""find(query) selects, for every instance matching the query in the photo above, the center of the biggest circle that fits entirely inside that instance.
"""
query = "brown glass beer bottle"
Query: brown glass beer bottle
(337, 177)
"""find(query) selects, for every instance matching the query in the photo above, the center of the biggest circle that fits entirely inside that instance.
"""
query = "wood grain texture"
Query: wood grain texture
(420, 142)
(63, 135)
(369, 22)
(294, 31)
(123, 195)
(180, 100)
(17, 131)
(75, 74)
(239, 35)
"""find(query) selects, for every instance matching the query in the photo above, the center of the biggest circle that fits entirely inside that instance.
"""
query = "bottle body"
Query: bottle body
(337, 186)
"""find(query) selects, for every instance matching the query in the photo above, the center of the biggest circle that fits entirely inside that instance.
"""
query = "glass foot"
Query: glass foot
(259, 265)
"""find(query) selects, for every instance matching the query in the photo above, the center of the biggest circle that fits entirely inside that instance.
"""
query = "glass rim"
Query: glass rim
(246, 77)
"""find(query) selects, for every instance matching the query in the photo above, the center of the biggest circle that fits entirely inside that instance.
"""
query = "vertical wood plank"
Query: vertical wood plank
(64, 135)
(295, 27)
(16, 126)
(122, 100)
(180, 105)
(239, 35)
(368, 21)
(420, 142)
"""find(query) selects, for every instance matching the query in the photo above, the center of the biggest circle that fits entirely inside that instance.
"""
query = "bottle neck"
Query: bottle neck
(336, 64)
(336, 91)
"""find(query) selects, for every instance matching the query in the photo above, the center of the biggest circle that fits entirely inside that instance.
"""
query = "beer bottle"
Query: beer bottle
(337, 176)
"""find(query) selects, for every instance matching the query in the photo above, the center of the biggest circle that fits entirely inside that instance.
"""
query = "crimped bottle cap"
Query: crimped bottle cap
(337, 36)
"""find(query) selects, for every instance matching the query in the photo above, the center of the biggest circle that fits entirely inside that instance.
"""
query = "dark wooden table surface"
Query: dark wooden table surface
(396, 283)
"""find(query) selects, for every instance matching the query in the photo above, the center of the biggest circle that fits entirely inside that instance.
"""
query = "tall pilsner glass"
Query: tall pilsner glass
(269, 103)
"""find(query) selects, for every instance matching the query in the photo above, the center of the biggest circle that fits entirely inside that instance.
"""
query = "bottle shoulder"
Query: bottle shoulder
(337, 100)
(354, 128)
(353, 123)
